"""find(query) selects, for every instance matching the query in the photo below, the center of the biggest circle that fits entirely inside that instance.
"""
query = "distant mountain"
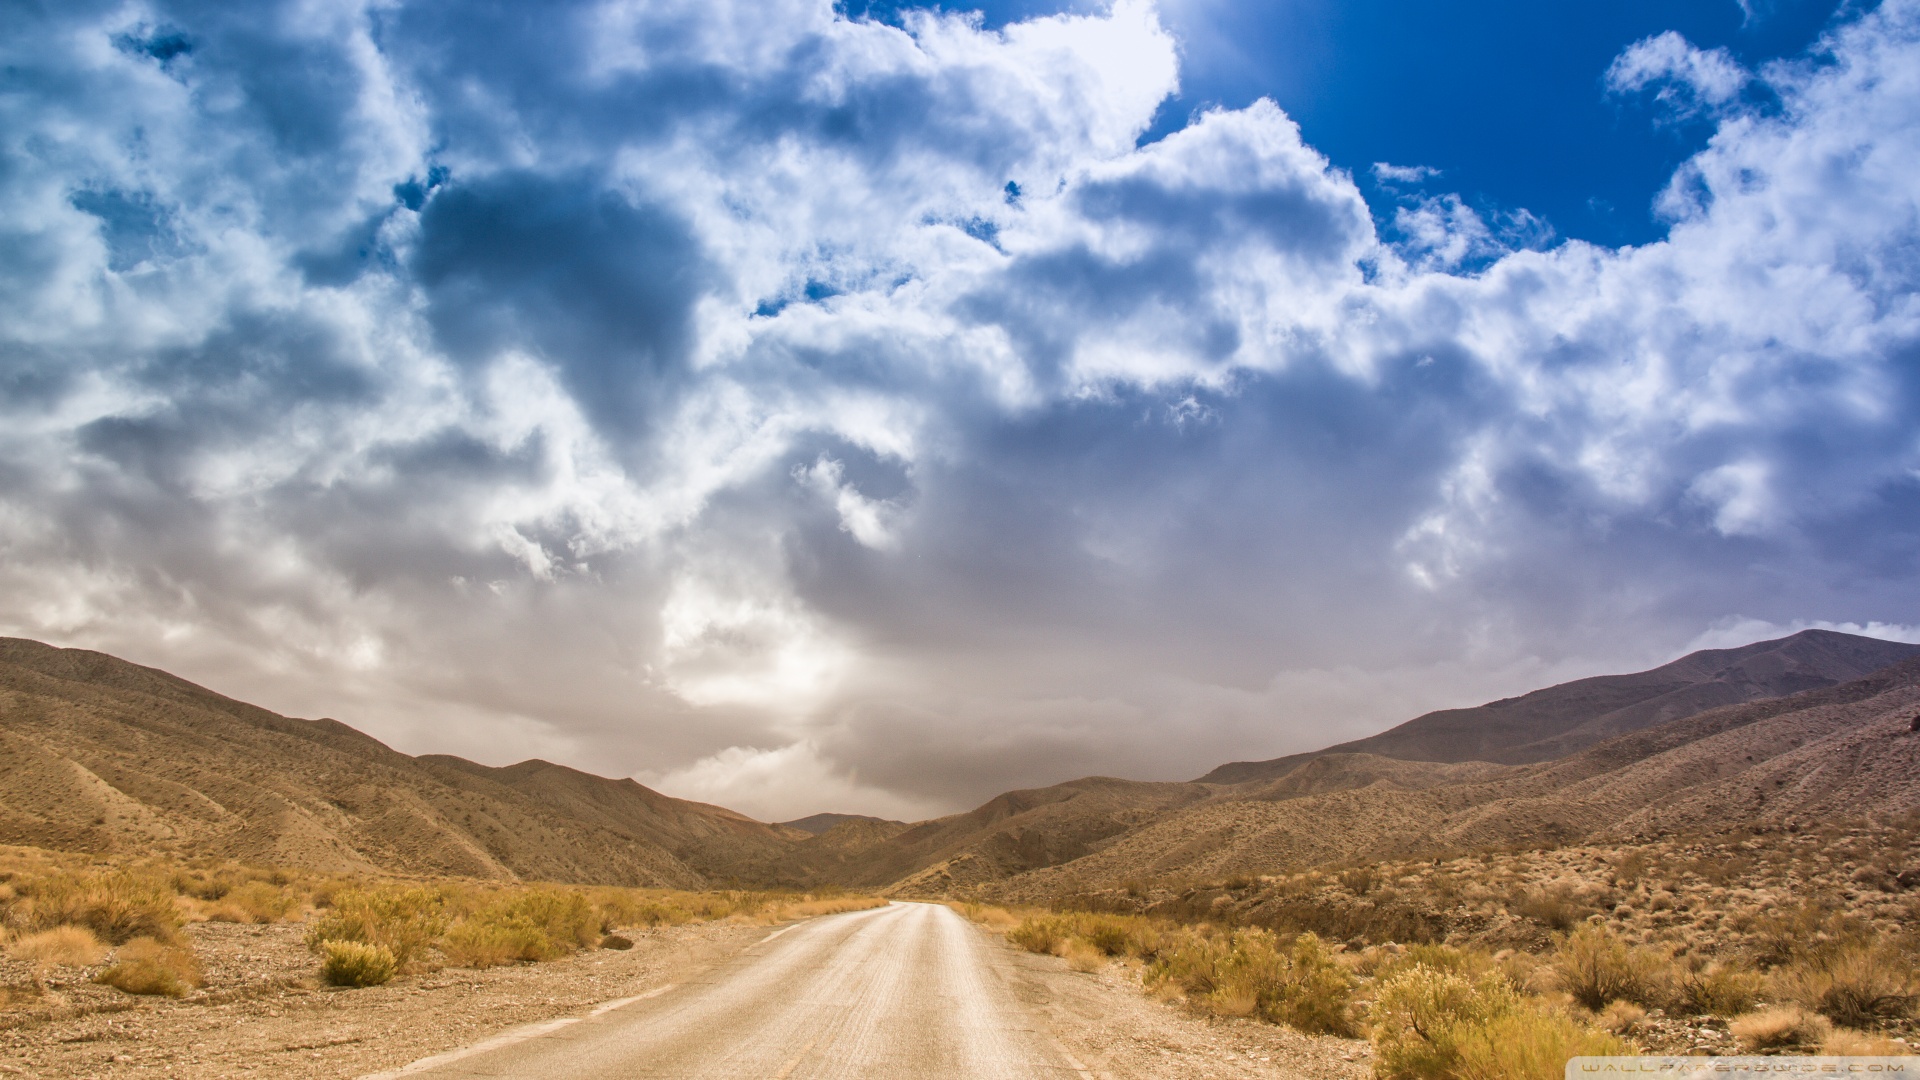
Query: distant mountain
(1820, 755)
(1560, 720)
(816, 824)
(98, 754)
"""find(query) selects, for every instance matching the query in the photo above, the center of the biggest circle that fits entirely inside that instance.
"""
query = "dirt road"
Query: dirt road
(900, 992)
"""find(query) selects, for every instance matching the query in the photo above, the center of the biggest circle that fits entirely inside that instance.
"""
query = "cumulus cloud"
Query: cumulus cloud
(1686, 79)
(797, 410)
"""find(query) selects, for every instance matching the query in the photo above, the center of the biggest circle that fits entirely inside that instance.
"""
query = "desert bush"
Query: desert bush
(1809, 932)
(1256, 972)
(1437, 1025)
(1623, 1017)
(534, 924)
(1081, 956)
(1597, 968)
(256, 902)
(1847, 1042)
(1530, 1043)
(148, 966)
(1039, 934)
(1554, 908)
(988, 915)
(474, 943)
(118, 906)
(1783, 1027)
(62, 946)
(354, 963)
(1716, 988)
(1856, 985)
(403, 919)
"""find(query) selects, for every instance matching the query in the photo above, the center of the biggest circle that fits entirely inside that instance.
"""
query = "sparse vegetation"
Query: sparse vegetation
(1772, 942)
(62, 946)
(57, 910)
(149, 966)
(354, 963)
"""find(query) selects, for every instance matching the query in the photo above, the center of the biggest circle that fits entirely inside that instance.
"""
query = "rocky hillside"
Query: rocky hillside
(1559, 720)
(99, 754)
(1822, 755)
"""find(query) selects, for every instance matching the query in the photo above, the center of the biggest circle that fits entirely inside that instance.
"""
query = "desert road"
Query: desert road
(895, 993)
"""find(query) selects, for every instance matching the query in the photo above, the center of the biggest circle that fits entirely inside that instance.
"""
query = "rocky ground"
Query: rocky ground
(263, 1013)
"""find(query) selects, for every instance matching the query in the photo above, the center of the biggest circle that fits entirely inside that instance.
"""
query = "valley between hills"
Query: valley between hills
(1720, 854)
(101, 755)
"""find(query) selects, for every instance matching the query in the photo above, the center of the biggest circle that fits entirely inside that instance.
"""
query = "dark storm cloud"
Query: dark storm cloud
(569, 272)
(804, 412)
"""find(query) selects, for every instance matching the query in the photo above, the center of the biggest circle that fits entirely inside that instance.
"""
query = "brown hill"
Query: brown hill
(815, 824)
(1010, 833)
(1841, 751)
(1559, 720)
(102, 755)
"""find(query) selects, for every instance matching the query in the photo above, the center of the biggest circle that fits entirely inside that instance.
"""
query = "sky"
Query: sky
(869, 408)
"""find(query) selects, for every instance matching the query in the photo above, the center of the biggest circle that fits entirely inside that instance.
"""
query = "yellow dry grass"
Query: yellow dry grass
(149, 966)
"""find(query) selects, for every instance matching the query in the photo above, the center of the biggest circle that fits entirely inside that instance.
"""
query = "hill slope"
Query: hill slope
(1559, 720)
(1841, 751)
(100, 754)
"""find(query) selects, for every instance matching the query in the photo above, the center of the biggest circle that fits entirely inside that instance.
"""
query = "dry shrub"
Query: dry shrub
(1256, 972)
(148, 966)
(118, 907)
(353, 963)
(1623, 1017)
(62, 946)
(1716, 988)
(475, 944)
(1039, 934)
(1531, 1043)
(535, 924)
(1081, 956)
(1784, 1027)
(992, 917)
(1846, 1042)
(255, 902)
(1556, 908)
(1436, 1025)
(1597, 968)
(404, 920)
(1857, 985)
(1808, 932)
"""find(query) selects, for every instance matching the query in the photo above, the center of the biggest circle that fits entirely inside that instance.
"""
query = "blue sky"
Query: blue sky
(801, 412)
(1507, 100)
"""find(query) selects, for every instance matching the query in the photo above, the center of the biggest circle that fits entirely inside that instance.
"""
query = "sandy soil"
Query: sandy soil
(263, 1014)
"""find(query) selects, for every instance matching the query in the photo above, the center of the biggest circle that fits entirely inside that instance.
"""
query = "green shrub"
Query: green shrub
(353, 963)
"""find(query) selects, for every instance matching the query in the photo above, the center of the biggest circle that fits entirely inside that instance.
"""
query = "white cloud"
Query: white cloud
(1690, 80)
(507, 375)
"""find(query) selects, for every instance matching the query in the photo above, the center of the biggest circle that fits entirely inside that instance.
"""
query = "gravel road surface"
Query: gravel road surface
(900, 992)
